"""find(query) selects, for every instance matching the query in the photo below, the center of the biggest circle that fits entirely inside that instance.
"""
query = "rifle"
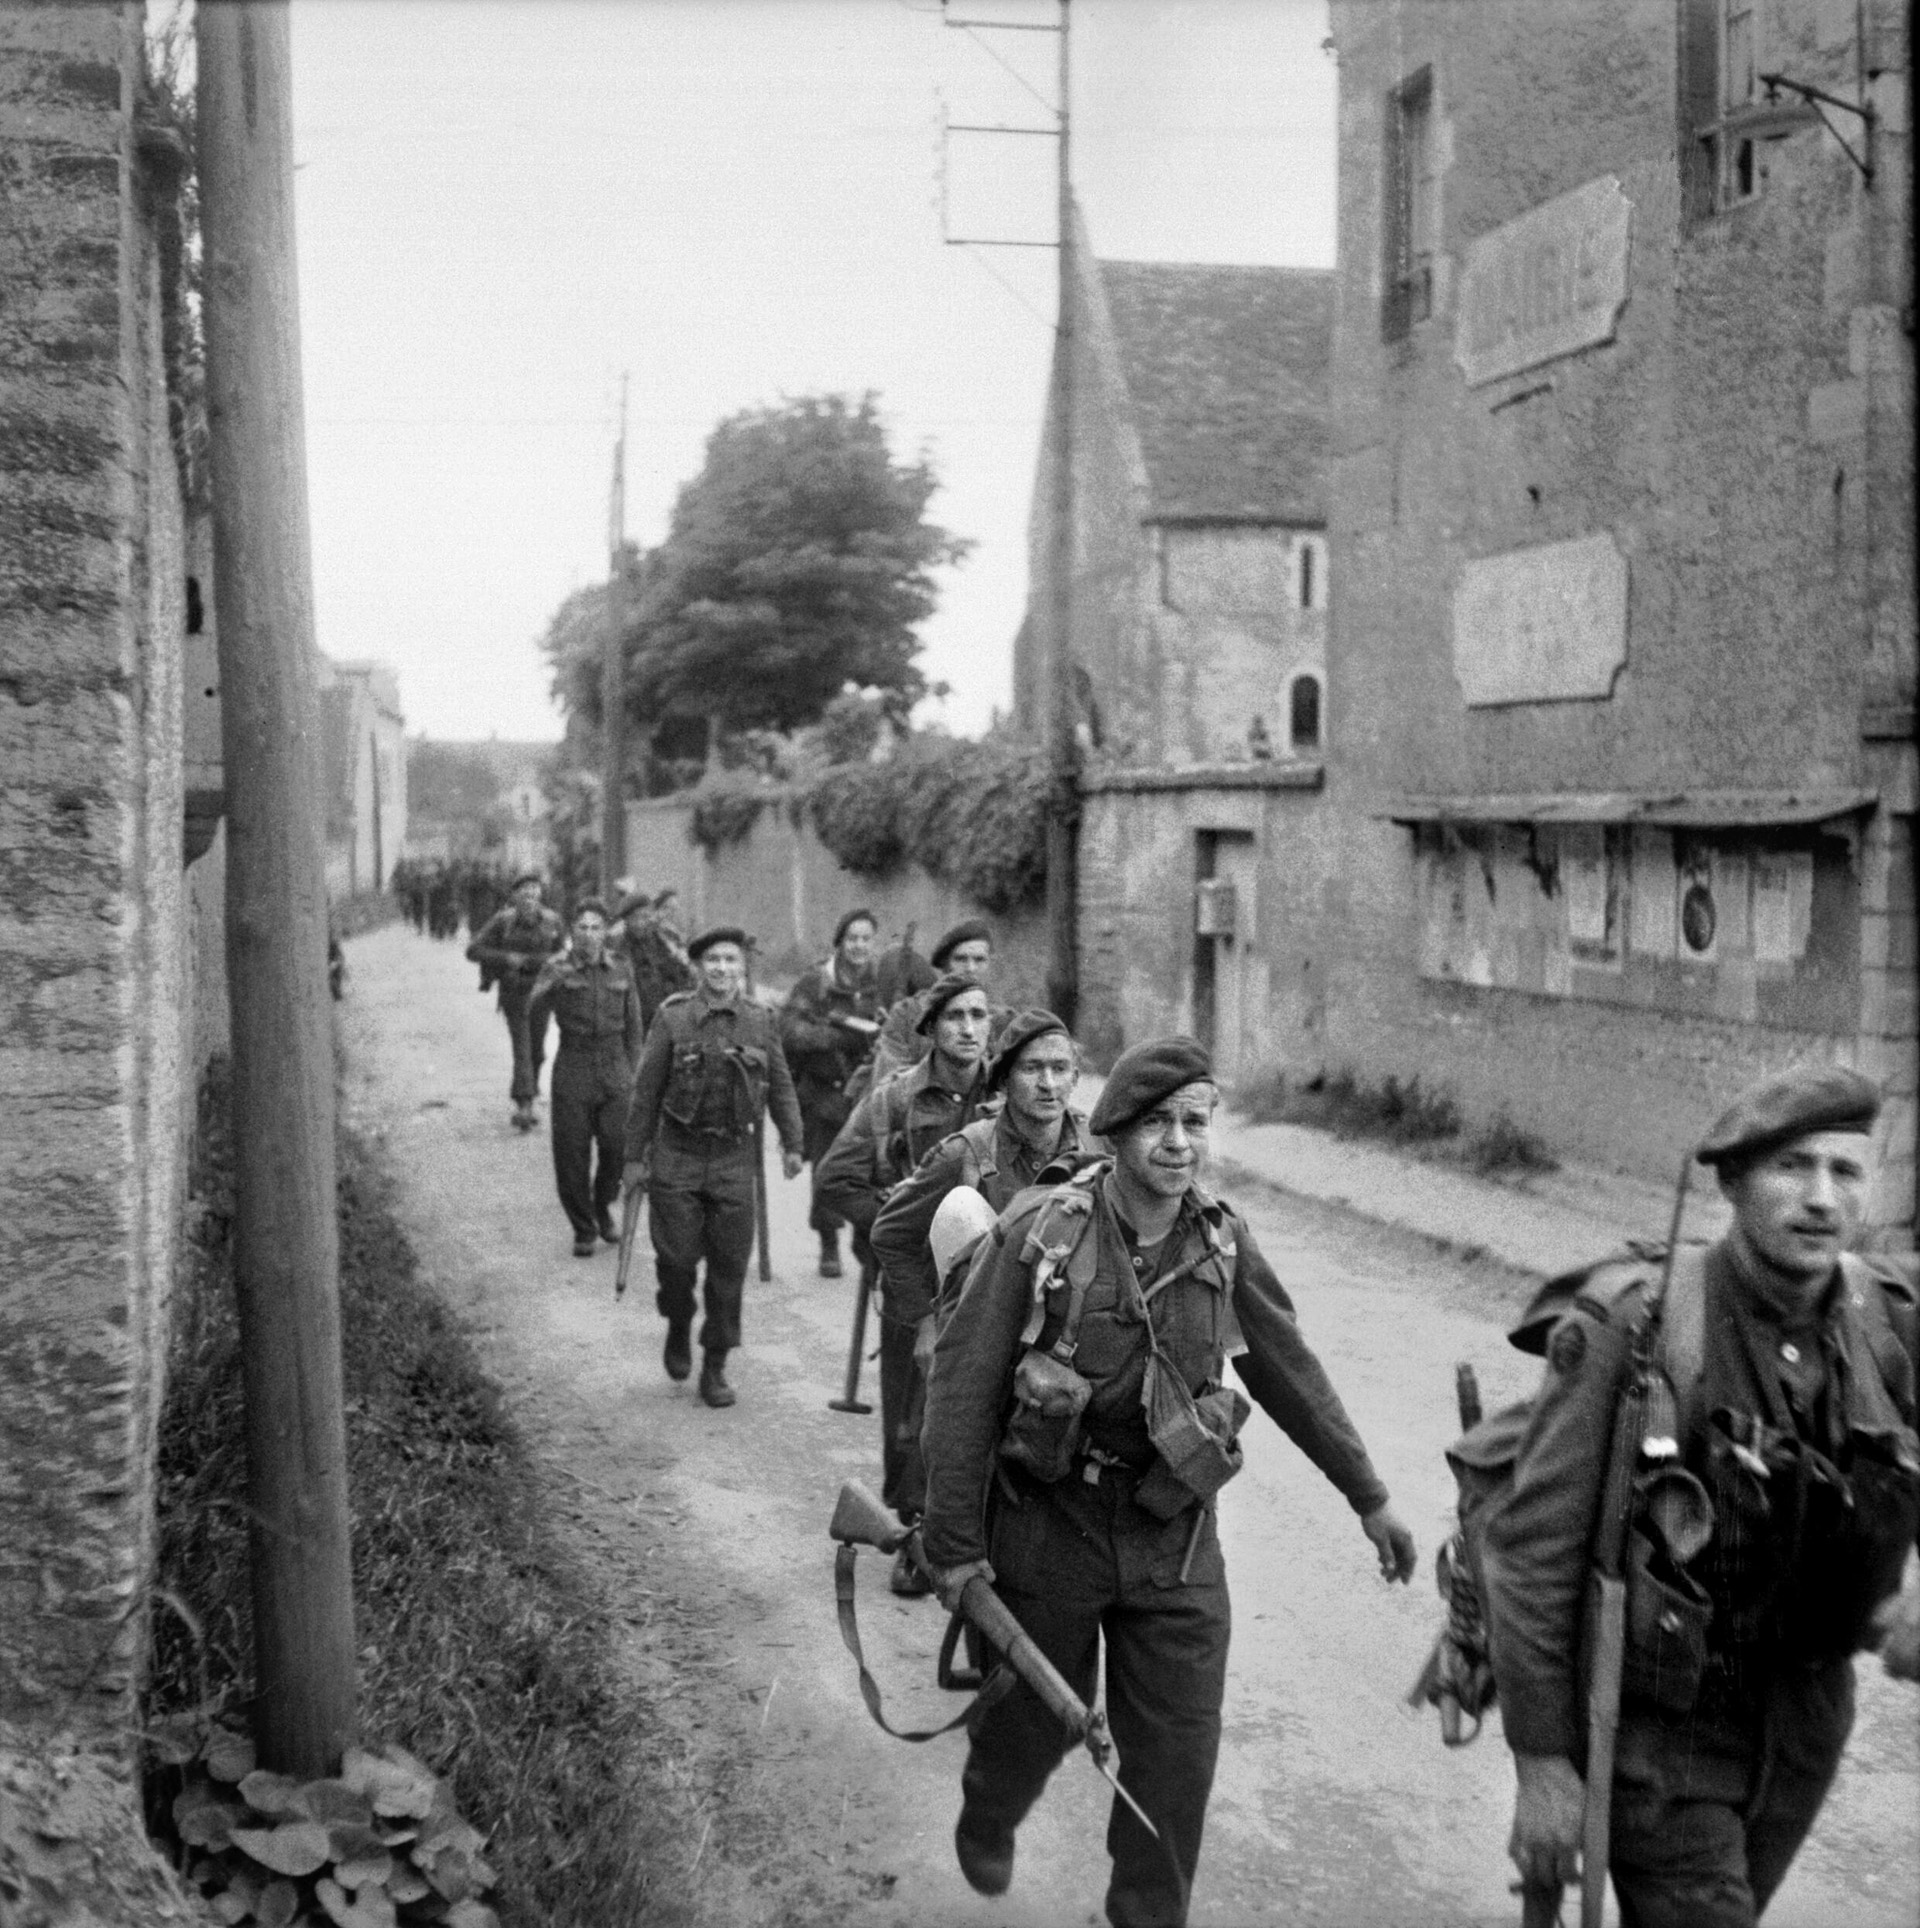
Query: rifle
(850, 1400)
(633, 1205)
(760, 1194)
(1610, 1625)
(861, 1520)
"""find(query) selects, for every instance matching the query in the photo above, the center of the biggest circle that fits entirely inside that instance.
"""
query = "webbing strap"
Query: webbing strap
(998, 1682)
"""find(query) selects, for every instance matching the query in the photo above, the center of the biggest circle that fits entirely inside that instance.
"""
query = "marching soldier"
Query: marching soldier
(894, 1127)
(831, 1019)
(659, 970)
(1796, 1416)
(1035, 1135)
(510, 949)
(1096, 1418)
(964, 951)
(590, 994)
(711, 1063)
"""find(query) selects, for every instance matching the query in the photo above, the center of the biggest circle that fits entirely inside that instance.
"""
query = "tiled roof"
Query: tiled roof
(1228, 370)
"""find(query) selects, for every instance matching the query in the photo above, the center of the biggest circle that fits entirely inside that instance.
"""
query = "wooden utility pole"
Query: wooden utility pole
(613, 678)
(1063, 744)
(286, 1234)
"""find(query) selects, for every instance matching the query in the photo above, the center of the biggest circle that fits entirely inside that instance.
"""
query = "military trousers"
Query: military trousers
(903, 1399)
(589, 1107)
(529, 1038)
(822, 1112)
(1076, 1562)
(700, 1209)
(1708, 1813)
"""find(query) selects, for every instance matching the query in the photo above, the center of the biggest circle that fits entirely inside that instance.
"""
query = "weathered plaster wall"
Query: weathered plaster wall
(1746, 439)
(783, 885)
(92, 967)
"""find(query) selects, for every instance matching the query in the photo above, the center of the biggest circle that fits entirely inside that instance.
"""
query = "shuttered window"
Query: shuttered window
(1410, 208)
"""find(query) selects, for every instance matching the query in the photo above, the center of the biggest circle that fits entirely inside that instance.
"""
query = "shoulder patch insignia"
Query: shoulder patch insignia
(1568, 1349)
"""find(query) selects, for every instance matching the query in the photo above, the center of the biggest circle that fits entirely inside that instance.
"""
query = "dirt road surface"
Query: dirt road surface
(1335, 1807)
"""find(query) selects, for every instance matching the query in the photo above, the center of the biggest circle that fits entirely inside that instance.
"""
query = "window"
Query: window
(1720, 64)
(1303, 712)
(1410, 223)
(1311, 572)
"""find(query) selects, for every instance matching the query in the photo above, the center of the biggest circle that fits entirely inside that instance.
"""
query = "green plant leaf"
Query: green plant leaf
(176, 1740)
(331, 1802)
(278, 1904)
(452, 1873)
(294, 1847)
(407, 1883)
(353, 1839)
(360, 1870)
(230, 1755)
(370, 1909)
(394, 1788)
(471, 1914)
(231, 1908)
(278, 1796)
(204, 1819)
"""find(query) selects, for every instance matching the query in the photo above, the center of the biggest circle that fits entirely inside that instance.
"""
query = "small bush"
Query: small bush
(725, 809)
(1501, 1148)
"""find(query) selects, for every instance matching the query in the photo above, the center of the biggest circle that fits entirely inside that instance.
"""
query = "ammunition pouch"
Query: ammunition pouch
(1049, 1399)
(1666, 1633)
(1195, 1438)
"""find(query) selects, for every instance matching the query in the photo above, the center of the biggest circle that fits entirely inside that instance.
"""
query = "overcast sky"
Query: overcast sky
(502, 204)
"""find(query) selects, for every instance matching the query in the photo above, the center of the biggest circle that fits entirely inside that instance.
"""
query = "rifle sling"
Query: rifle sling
(999, 1682)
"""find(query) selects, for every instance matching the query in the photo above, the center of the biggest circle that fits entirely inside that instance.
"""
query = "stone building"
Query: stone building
(1200, 592)
(1621, 657)
(109, 921)
(364, 766)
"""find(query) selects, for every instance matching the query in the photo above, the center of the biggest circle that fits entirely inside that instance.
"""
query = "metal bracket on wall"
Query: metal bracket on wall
(1818, 100)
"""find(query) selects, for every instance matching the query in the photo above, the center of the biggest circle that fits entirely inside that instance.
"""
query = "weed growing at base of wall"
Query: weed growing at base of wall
(484, 1649)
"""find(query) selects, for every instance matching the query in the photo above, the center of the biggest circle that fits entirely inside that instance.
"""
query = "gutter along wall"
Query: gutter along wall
(1630, 512)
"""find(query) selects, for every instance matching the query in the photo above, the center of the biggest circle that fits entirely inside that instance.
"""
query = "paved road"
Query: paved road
(1335, 1807)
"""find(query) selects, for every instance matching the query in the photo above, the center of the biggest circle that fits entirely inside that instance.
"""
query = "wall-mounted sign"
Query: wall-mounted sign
(1541, 625)
(1546, 284)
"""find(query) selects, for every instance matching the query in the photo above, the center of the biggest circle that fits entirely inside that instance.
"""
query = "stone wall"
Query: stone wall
(784, 886)
(98, 1046)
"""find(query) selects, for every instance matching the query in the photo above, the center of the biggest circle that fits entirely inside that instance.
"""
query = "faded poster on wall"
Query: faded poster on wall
(1653, 895)
(1782, 905)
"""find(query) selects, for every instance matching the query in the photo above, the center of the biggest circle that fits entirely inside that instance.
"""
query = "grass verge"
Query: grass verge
(485, 1648)
(1403, 1114)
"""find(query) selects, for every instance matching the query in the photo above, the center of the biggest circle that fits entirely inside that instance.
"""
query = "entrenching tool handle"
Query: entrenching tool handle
(1603, 1726)
(760, 1197)
(850, 1400)
(633, 1204)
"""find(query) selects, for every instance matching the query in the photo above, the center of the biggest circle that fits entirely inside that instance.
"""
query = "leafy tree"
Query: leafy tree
(798, 565)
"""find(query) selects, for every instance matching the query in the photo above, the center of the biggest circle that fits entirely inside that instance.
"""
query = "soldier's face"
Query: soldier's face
(590, 935)
(526, 897)
(1797, 1206)
(856, 944)
(722, 966)
(1167, 1148)
(970, 960)
(960, 1031)
(1042, 1079)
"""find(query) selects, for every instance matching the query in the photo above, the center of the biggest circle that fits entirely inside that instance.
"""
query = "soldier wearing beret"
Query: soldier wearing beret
(966, 951)
(589, 991)
(659, 969)
(893, 1127)
(1078, 1426)
(831, 1019)
(711, 1063)
(1794, 1410)
(510, 949)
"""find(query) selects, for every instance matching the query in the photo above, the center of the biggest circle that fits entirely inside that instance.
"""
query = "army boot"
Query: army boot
(677, 1355)
(830, 1255)
(713, 1378)
(984, 1849)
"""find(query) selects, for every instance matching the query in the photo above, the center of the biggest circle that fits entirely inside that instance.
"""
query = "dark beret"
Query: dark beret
(1021, 1031)
(720, 934)
(937, 996)
(973, 931)
(1809, 1097)
(1142, 1076)
(853, 917)
(598, 905)
(528, 877)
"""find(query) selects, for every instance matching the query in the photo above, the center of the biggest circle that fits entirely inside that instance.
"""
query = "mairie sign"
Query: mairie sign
(1546, 284)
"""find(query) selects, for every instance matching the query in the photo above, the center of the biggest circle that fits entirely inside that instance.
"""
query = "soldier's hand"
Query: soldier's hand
(924, 1335)
(1898, 1622)
(790, 1163)
(951, 1582)
(1548, 1815)
(633, 1175)
(1392, 1542)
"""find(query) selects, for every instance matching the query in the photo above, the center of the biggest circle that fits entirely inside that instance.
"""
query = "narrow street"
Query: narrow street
(1335, 1805)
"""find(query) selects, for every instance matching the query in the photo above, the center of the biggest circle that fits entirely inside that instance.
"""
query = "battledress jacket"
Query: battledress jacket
(595, 1005)
(970, 1392)
(891, 1130)
(823, 1052)
(704, 1071)
(1538, 1546)
(510, 948)
(990, 1156)
(902, 1043)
